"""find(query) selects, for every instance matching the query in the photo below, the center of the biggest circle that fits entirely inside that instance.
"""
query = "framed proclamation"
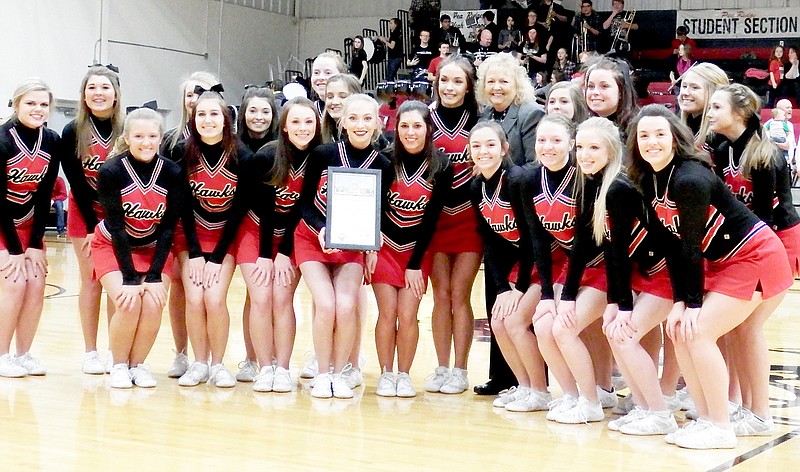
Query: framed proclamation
(354, 209)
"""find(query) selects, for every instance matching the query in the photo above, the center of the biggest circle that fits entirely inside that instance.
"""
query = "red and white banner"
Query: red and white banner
(741, 23)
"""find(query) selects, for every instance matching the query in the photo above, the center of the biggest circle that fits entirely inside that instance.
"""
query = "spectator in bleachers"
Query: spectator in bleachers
(358, 65)
(59, 195)
(444, 51)
(778, 129)
(681, 37)
(564, 65)
(450, 34)
(788, 88)
(422, 56)
(775, 72)
(489, 24)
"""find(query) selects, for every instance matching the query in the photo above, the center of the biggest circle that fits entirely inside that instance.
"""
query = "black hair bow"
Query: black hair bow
(110, 67)
(152, 104)
(199, 90)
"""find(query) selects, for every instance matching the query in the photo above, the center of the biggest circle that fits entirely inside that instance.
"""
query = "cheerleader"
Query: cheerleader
(213, 161)
(745, 263)
(324, 66)
(456, 244)
(610, 93)
(196, 82)
(759, 176)
(634, 262)
(416, 197)
(555, 215)
(334, 277)
(141, 194)
(338, 88)
(567, 98)
(697, 86)
(88, 140)
(264, 248)
(257, 125)
(29, 155)
(341, 86)
(508, 261)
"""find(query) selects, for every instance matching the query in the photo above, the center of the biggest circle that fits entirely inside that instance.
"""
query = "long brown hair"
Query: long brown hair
(206, 79)
(470, 100)
(229, 147)
(759, 151)
(682, 141)
(428, 150)
(258, 92)
(285, 151)
(83, 126)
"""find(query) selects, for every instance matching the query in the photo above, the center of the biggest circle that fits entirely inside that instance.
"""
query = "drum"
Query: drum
(421, 90)
(402, 88)
(385, 91)
(294, 90)
(375, 51)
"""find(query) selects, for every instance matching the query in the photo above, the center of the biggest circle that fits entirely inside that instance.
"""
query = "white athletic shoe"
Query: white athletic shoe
(607, 399)
(282, 381)
(264, 380)
(405, 389)
(247, 371)
(9, 368)
(31, 364)
(530, 400)
(387, 385)
(507, 396)
(197, 372)
(322, 387)
(92, 364)
(635, 414)
(456, 382)
(120, 376)
(353, 376)
(179, 366)
(584, 411)
(707, 436)
(652, 424)
(340, 387)
(751, 425)
(221, 377)
(141, 377)
(624, 406)
(310, 369)
(564, 402)
(434, 382)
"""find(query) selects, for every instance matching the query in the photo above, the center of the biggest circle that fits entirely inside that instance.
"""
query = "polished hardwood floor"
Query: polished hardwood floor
(68, 421)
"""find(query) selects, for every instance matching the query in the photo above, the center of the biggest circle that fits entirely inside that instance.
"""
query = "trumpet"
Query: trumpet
(621, 42)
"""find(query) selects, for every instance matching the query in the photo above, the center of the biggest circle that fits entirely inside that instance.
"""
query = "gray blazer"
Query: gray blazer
(520, 126)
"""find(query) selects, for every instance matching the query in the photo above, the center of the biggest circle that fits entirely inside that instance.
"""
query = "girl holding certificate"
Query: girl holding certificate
(334, 276)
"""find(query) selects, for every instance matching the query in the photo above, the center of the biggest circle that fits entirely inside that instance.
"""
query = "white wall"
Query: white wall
(60, 37)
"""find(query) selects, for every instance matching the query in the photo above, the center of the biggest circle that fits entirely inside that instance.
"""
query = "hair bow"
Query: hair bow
(199, 90)
(110, 67)
(152, 104)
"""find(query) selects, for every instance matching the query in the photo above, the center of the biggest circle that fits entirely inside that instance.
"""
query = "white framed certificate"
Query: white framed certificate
(354, 209)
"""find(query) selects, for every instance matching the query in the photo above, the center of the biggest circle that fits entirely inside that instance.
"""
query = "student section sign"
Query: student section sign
(741, 23)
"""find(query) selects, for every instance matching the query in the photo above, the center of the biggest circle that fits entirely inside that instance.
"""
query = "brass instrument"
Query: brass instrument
(550, 15)
(580, 43)
(621, 42)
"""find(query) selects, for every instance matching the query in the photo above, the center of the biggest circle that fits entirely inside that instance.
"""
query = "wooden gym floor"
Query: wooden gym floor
(69, 421)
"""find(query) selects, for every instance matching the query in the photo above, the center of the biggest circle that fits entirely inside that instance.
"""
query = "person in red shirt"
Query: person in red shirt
(444, 51)
(59, 196)
(681, 38)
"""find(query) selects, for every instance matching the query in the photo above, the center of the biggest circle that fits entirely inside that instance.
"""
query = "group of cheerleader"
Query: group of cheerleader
(600, 225)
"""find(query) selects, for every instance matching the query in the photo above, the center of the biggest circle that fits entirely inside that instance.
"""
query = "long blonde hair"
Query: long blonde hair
(759, 151)
(208, 80)
(712, 77)
(609, 133)
(83, 128)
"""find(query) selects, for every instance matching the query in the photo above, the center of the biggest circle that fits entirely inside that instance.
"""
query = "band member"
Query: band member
(358, 63)
(141, 194)
(88, 140)
(29, 155)
(589, 20)
(423, 177)
(619, 28)
(451, 34)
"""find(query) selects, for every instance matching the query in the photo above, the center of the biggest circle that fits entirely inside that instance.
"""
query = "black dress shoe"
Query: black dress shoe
(492, 387)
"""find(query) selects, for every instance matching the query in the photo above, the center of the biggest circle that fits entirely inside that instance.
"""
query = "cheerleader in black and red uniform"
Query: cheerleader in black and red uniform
(745, 263)
(553, 213)
(213, 160)
(265, 246)
(29, 155)
(416, 197)
(456, 246)
(759, 176)
(141, 194)
(334, 276)
(635, 262)
(88, 140)
(508, 261)
(177, 298)
(325, 65)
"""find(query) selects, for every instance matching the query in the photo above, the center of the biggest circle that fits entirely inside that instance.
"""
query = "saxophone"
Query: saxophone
(550, 14)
